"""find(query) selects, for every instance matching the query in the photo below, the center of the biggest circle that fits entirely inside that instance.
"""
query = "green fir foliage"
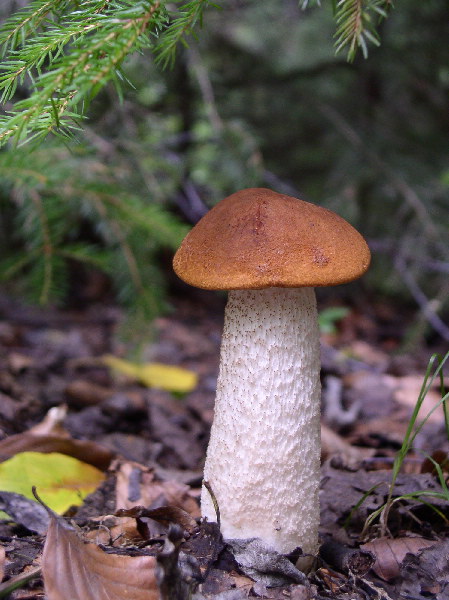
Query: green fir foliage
(182, 23)
(81, 212)
(357, 22)
(65, 51)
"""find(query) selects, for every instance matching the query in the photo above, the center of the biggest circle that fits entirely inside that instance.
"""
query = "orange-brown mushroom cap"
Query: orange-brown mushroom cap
(257, 238)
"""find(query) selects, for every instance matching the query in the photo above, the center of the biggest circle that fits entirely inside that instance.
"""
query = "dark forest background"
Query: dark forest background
(260, 98)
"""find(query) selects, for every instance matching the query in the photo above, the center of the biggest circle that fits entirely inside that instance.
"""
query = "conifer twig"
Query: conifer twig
(402, 187)
(356, 24)
(81, 52)
(182, 23)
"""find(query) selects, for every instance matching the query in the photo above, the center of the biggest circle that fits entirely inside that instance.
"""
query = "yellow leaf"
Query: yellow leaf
(60, 480)
(166, 377)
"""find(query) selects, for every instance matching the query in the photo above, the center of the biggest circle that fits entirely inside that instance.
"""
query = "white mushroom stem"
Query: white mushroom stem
(263, 460)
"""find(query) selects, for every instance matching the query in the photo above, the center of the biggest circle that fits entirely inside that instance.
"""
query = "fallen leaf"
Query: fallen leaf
(333, 444)
(342, 491)
(389, 554)
(77, 571)
(61, 480)
(18, 362)
(86, 393)
(407, 392)
(368, 354)
(138, 486)
(166, 377)
(332, 580)
(83, 450)
(164, 515)
(426, 575)
(261, 563)
(242, 583)
(114, 531)
(439, 457)
(24, 511)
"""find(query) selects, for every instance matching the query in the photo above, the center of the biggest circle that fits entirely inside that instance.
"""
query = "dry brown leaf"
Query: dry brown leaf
(79, 571)
(331, 579)
(86, 393)
(440, 457)
(381, 432)
(18, 362)
(333, 444)
(114, 531)
(85, 451)
(390, 553)
(241, 582)
(138, 486)
(164, 515)
(368, 353)
(407, 392)
(50, 436)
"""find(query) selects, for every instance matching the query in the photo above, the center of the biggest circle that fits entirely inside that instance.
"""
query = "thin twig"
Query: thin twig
(205, 85)
(401, 186)
(208, 487)
(427, 306)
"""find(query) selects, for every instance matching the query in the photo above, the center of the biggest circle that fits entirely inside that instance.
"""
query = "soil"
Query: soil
(52, 358)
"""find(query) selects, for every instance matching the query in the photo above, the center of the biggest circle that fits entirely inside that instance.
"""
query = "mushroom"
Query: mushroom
(263, 461)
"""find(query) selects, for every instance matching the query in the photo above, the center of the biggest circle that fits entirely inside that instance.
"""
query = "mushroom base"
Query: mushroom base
(263, 460)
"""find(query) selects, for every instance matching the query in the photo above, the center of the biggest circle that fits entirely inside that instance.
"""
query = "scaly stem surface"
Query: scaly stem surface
(263, 460)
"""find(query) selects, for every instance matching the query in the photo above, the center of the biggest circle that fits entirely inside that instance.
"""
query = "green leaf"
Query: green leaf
(68, 59)
(330, 316)
(61, 481)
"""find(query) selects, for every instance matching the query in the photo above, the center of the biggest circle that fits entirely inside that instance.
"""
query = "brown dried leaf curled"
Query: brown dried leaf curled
(79, 571)
(164, 515)
(390, 553)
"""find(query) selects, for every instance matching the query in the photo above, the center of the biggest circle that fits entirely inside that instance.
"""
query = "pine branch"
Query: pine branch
(116, 227)
(81, 53)
(25, 21)
(66, 51)
(308, 3)
(51, 207)
(182, 24)
(356, 24)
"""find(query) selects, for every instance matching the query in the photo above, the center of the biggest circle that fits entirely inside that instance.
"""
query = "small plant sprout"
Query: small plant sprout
(263, 460)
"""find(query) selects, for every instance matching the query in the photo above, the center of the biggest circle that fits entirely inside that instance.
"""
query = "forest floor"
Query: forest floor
(149, 445)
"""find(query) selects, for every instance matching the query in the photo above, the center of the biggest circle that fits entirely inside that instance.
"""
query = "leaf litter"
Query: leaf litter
(151, 445)
(82, 571)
